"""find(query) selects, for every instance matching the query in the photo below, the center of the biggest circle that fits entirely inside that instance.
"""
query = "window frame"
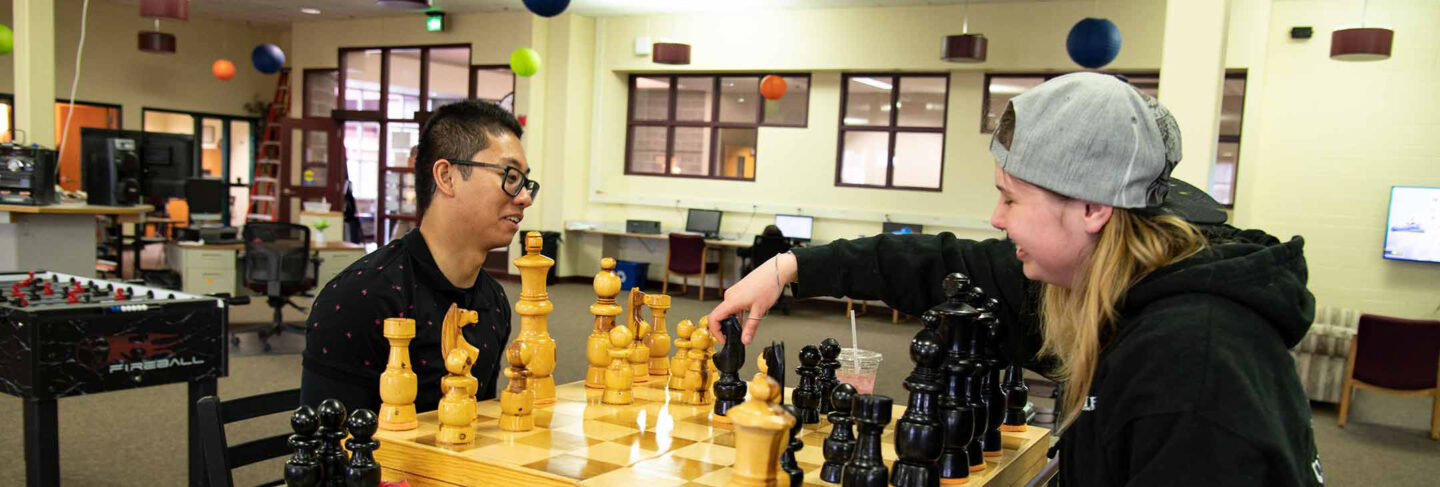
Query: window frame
(891, 129)
(670, 123)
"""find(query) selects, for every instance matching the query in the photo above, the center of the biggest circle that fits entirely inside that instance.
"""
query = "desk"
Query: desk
(58, 238)
(611, 243)
(217, 268)
(580, 441)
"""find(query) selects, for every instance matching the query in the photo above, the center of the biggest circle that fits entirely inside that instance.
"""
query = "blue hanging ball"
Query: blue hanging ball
(547, 8)
(1093, 42)
(268, 58)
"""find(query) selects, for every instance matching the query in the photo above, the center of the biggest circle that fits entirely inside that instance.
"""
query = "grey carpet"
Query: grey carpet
(136, 437)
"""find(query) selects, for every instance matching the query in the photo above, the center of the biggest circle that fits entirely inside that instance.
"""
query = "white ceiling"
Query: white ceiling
(281, 12)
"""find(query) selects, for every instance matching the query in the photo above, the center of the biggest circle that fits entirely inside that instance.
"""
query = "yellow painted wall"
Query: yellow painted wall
(115, 71)
(1334, 137)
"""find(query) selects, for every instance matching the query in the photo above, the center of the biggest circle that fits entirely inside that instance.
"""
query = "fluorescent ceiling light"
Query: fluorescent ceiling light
(873, 82)
(311, 11)
(856, 121)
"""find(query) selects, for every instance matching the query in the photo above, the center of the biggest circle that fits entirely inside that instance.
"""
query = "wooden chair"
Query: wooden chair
(686, 258)
(220, 458)
(1395, 356)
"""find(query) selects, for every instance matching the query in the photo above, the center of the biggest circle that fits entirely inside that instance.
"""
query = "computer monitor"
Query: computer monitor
(208, 198)
(795, 226)
(168, 161)
(902, 228)
(705, 222)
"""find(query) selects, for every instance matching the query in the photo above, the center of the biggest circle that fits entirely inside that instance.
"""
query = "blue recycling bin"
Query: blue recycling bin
(632, 274)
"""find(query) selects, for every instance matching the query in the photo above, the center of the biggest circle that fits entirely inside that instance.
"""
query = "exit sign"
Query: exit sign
(435, 21)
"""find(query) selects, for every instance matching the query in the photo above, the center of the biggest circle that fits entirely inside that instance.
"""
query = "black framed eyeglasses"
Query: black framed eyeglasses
(513, 180)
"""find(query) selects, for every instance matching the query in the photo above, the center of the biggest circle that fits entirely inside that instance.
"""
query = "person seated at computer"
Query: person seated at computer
(769, 243)
(472, 188)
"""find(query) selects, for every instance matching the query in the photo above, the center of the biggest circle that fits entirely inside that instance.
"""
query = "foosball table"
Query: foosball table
(642, 416)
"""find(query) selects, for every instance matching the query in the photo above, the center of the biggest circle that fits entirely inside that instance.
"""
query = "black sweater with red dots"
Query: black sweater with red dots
(345, 345)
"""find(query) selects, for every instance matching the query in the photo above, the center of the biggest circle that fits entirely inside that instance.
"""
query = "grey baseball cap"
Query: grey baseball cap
(1094, 137)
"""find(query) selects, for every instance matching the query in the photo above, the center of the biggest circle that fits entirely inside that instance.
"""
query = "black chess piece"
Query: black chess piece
(840, 445)
(332, 430)
(807, 395)
(775, 364)
(1017, 394)
(829, 363)
(787, 459)
(953, 320)
(303, 469)
(729, 389)
(362, 470)
(919, 437)
(994, 398)
(866, 468)
(978, 369)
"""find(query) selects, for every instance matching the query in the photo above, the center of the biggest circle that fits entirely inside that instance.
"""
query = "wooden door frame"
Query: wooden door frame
(334, 189)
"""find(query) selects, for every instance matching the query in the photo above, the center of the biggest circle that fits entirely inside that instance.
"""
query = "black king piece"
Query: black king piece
(729, 389)
(919, 436)
(958, 415)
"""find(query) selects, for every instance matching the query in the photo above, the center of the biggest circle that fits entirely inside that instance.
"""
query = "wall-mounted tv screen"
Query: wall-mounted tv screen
(1413, 230)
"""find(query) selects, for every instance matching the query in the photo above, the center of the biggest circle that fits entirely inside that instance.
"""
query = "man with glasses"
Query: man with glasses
(472, 186)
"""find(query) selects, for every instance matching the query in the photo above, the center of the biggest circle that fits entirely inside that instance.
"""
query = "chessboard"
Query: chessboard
(652, 443)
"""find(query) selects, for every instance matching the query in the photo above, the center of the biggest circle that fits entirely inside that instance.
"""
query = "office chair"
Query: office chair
(765, 248)
(219, 457)
(1394, 356)
(278, 264)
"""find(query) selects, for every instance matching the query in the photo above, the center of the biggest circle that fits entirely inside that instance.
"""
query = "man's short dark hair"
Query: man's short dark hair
(457, 131)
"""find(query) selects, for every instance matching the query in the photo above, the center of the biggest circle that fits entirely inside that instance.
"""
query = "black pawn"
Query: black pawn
(840, 445)
(332, 431)
(729, 389)
(866, 468)
(787, 459)
(829, 363)
(362, 471)
(807, 395)
(304, 469)
(919, 436)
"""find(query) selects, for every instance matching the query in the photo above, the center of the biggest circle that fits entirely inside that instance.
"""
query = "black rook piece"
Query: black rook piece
(304, 469)
(866, 468)
(807, 395)
(1016, 395)
(729, 389)
(332, 431)
(840, 445)
(919, 437)
(829, 363)
(362, 471)
(787, 459)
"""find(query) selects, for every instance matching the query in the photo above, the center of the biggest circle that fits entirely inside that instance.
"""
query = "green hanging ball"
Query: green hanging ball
(7, 40)
(525, 62)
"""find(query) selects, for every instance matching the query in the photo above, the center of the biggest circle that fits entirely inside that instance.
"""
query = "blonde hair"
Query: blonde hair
(1131, 246)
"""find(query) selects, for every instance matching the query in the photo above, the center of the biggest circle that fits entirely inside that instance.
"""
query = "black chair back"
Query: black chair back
(767, 247)
(220, 458)
(277, 257)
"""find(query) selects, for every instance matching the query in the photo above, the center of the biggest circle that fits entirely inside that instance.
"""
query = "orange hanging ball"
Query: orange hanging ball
(223, 69)
(772, 87)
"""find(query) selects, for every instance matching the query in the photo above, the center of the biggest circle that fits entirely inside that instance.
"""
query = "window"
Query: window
(1000, 88)
(705, 126)
(892, 134)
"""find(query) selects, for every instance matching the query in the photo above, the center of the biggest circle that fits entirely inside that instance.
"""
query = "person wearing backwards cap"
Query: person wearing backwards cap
(1168, 329)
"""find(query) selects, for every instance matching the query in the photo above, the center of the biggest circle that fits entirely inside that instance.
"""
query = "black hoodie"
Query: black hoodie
(1194, 387)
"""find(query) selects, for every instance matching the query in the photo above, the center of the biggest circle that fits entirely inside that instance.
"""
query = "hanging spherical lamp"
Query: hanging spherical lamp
(547, 8)
(1093, 42)
(267, 58)
(223, 69)
(7, 40)
(772, 87)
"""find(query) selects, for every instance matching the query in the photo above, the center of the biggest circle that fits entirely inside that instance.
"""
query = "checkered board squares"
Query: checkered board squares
(581, 441)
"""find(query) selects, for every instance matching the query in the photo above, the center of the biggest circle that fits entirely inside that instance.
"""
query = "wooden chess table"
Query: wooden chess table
(651, 443)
